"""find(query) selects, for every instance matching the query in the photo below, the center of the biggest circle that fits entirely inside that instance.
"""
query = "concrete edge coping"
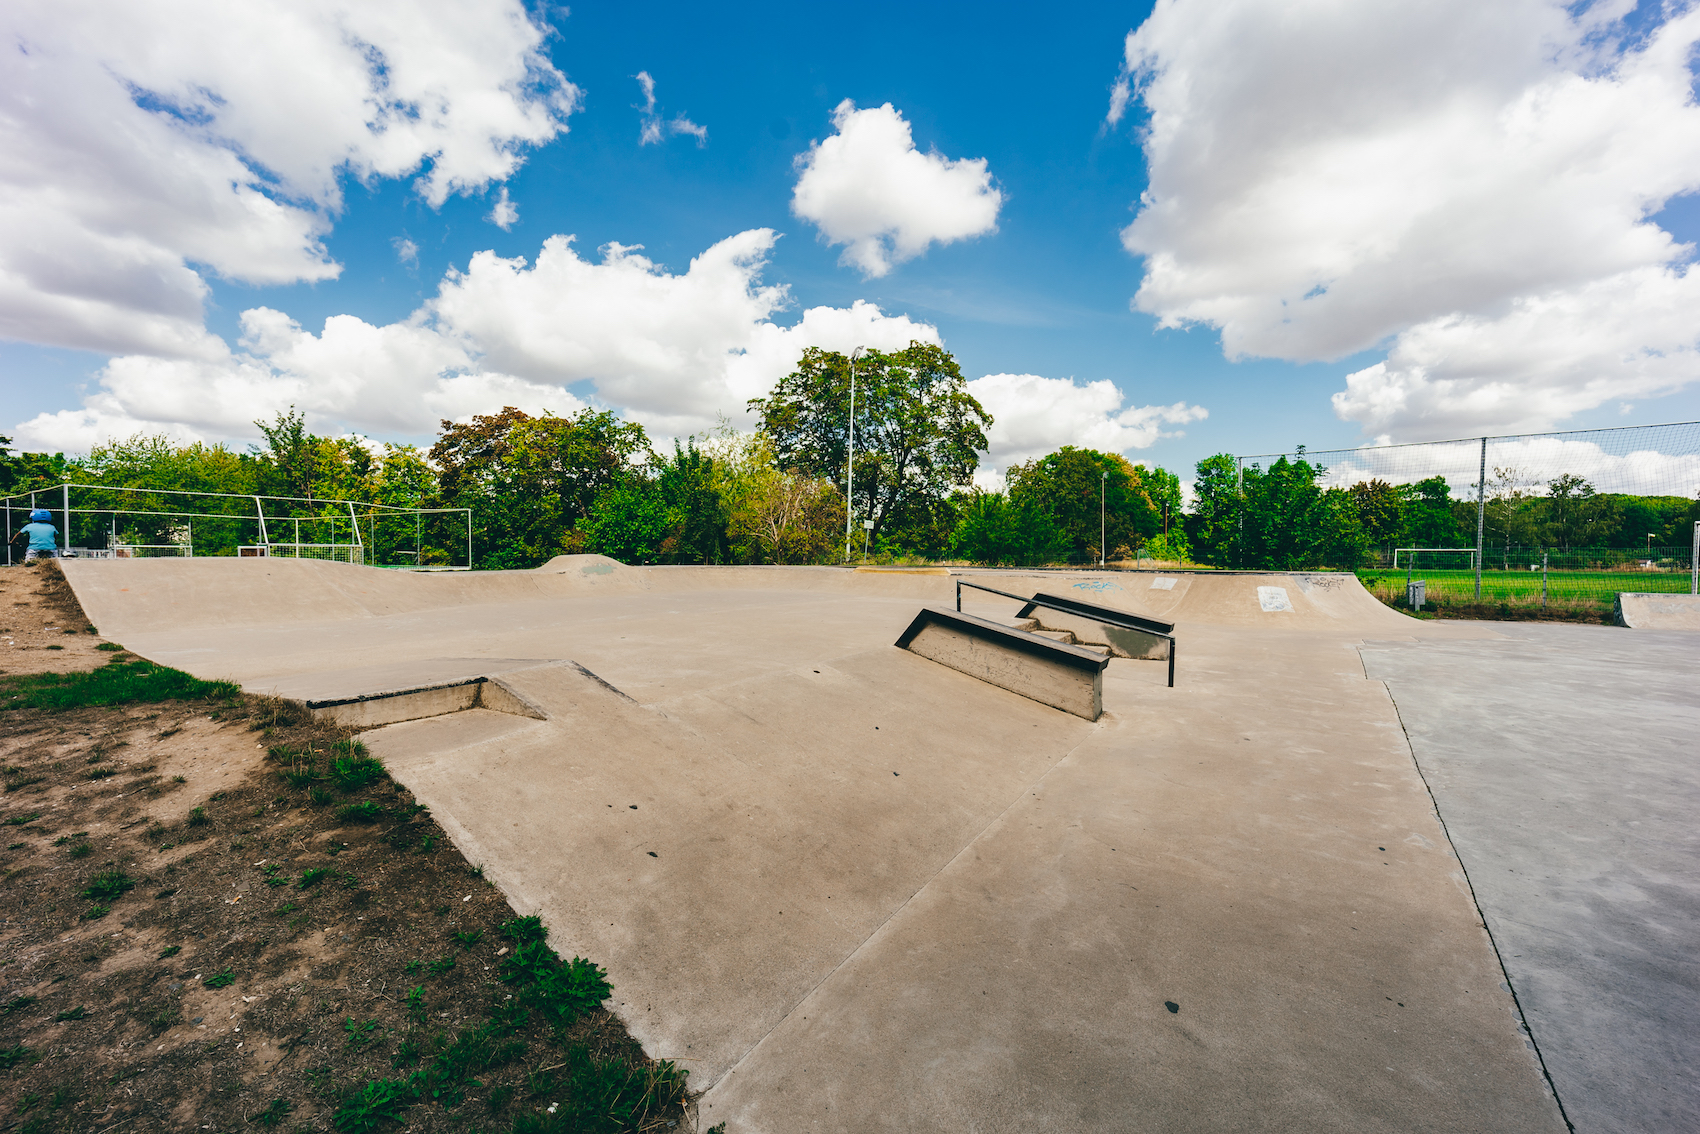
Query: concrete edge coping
(1008, 636)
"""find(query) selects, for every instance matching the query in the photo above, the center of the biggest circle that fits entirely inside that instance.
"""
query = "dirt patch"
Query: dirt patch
(209, 923)
(42, 626)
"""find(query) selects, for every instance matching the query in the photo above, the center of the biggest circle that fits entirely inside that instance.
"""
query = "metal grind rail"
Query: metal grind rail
(1117, 618)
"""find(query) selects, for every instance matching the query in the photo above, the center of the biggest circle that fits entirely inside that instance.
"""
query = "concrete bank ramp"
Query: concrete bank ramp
(1641, 611)
(1298, 600)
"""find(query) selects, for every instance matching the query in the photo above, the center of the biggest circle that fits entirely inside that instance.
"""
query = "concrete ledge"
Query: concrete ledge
(369, 710)
(1052, 673)
(1652, 611)
(1125, 635)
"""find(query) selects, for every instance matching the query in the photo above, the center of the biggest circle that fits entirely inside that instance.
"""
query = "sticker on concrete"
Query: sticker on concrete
(1273, 599)
(1162, 583)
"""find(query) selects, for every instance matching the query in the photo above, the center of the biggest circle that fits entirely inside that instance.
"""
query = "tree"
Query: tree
(674, 516)
(1217, 511)
(1291, 523)
(1164, 490)
(531, 480)
(1427, 514)
(1381, 509)
(1576, 515)
(994, 530)
(1068, 483)
(919, 433)
(1509, 516)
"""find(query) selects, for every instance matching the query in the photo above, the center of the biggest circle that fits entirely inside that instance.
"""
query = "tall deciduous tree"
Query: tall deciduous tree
(919, 434)
(1071, 484)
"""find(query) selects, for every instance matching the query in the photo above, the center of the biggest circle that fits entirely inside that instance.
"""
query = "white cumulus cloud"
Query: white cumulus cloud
(1033, 416)
(1469, 185)
(673, 350)
(144, 143)
(867, 187)
(504, 212)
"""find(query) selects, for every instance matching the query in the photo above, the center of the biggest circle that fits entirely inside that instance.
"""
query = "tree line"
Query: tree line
(1283, 518)
(536, 486)
(541, 485)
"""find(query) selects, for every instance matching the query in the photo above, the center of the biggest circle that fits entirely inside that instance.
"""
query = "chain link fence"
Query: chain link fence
(1529, 519)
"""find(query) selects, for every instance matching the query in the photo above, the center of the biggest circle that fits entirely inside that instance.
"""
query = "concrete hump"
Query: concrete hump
(1643, 611)
(1063, 676)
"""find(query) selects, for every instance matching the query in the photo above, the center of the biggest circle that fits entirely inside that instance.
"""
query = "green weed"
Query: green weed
(311, 877)
(319, 796)
(220, 980)
(96, 912)
(80, 850)
(363, 812)
(109, 885)
(354, 769)
(274, 1114)
(170, 951)
(198, 817)
(110, 647)
(20, 820)
(118, 683)
(77, 1013)
(438, 968)
(605, 1095)
(102, 773)
(10, 1057)
(469, 938)
(16, 846)
(16, 1004)
(378, 1102)
(359, 1034)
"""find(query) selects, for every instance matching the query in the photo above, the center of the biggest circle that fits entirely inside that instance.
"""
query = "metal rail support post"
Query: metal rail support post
(1481, 515)
(65, 510)
(1543, 579)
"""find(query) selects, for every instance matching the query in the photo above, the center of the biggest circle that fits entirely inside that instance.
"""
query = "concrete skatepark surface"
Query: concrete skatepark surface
(1563, 761)
(855, 890)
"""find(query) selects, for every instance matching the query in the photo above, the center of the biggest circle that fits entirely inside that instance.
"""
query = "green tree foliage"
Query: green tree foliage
(1279, 519)
(999, 532)
(530, 480)
(26, 472)
(919, 434)
(1381, 510)
(1428, 517)
(1068, 483)
(674, 515)
(1214, 526)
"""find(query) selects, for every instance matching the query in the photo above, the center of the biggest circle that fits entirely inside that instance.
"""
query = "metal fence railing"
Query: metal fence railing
(1571, 517)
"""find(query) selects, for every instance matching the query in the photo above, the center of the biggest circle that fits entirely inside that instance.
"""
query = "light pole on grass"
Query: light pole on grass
(850, 459)
(1103, 487)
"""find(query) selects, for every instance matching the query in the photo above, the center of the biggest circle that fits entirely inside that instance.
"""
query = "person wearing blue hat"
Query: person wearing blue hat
(42, 535)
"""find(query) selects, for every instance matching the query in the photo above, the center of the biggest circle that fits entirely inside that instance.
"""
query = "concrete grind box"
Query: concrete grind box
(1052, 673)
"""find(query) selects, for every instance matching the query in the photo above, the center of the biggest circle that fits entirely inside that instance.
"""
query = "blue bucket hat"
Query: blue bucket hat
(41, 516)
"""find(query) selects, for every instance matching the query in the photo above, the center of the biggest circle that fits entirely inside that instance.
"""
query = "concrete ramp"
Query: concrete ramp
(1641, 611)
(1297, 600)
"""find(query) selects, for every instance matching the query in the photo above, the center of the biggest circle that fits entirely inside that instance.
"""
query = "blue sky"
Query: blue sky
(1048, 292)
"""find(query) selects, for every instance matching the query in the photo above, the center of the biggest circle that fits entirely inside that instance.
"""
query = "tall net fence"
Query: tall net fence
(104, 522)
(1539, 518)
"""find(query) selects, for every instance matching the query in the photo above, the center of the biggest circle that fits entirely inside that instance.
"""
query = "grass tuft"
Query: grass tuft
(220, 980)
(118, 683)
(109, 885)
(363, 812)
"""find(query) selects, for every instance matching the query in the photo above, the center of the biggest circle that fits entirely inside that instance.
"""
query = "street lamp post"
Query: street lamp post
(1103, 487)
(850, 459)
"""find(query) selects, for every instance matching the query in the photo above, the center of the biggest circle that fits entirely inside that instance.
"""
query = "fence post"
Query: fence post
(65, 508)
(1481, 516)
(1239, 501)
(1543, 578)
(1694, 562)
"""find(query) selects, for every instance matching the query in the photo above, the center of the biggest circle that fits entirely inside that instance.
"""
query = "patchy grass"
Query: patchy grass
(180, 942)
(117, 683)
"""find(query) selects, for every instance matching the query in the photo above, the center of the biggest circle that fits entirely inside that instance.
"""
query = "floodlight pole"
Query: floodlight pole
(65, 508)
(850, 460)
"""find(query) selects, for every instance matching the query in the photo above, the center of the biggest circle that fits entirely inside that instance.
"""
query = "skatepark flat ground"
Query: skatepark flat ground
(854, 890)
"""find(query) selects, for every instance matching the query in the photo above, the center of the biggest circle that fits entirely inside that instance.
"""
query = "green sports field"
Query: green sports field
(1523, 588)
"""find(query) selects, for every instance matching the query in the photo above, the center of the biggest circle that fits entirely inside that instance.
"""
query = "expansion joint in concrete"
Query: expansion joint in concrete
(1026, 790)
(1481, 914)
